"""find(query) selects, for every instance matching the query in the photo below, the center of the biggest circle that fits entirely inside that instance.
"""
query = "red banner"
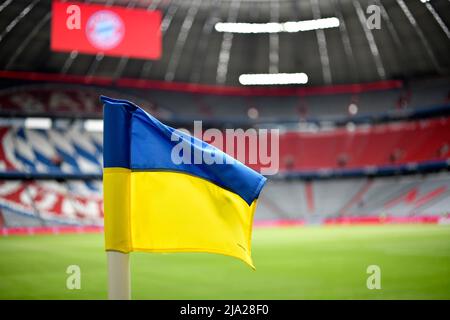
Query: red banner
(111, 30)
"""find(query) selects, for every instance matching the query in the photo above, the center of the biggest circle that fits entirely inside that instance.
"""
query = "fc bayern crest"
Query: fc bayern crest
(105, 30)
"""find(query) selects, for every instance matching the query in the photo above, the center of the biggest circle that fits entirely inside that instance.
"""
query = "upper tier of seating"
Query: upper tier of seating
(61, 100)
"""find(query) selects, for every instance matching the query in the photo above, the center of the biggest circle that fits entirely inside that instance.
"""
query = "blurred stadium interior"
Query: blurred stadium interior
(366, 140)
(386, 161)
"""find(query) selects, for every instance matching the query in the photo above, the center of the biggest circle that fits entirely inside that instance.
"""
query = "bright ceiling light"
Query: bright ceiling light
(273, 78)
(253, 113)
(38, 123)
(93, 125)
(308, 25)
(275, 27)
(352, 109)
(241, 27)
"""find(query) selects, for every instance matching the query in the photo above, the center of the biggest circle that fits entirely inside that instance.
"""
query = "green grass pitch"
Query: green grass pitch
(291, 263)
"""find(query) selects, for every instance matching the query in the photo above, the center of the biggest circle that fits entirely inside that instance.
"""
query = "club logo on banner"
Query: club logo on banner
(108, 30)
(105, 30)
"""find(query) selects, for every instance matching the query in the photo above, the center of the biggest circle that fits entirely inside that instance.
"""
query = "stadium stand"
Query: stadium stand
(411, 196)
(368, 145)
(79, 203)
(321, 142)
(42, 160)
(51, 151)
(275, 105)
(75, 150)
(50, 202)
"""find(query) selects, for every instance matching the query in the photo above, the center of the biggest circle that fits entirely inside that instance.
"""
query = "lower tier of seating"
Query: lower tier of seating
(43, 203)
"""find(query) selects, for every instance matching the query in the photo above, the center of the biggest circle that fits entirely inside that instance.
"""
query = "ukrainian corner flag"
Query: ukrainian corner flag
(155, 204)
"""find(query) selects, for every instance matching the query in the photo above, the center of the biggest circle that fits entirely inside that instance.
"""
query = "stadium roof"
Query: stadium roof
(413, 41)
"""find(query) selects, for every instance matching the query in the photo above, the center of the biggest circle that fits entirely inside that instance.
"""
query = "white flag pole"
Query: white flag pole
(119, 287)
